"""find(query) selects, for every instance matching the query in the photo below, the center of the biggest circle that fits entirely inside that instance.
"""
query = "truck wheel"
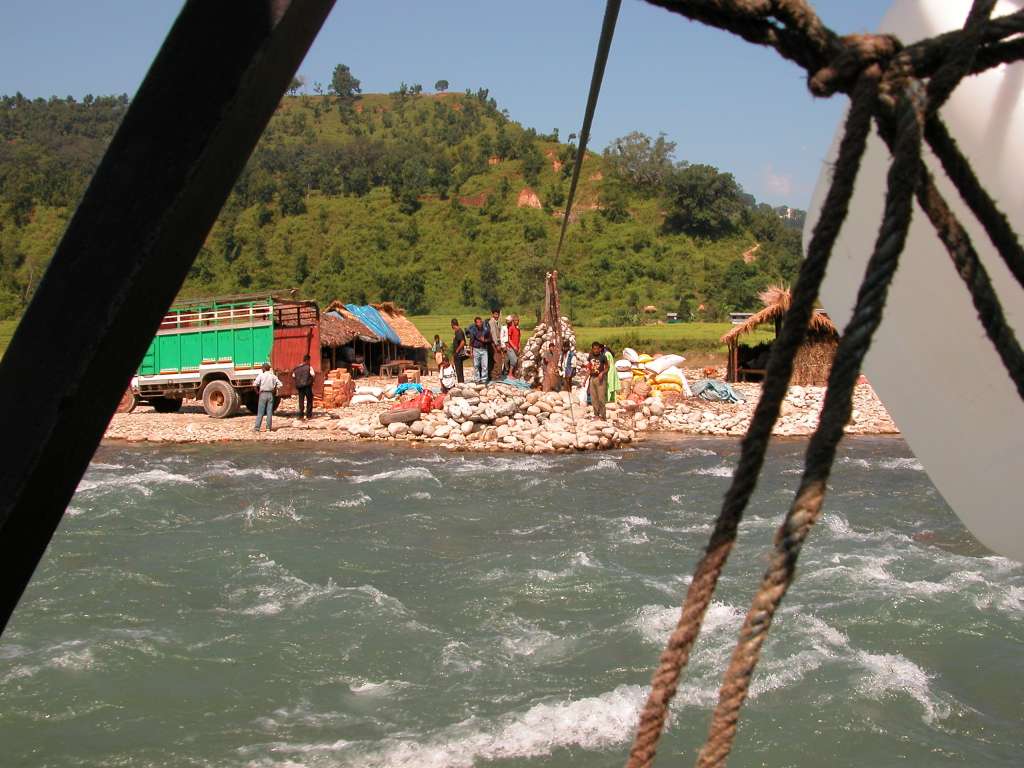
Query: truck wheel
(128, 402)
(166, 404)
(251, 401)
(220, 399)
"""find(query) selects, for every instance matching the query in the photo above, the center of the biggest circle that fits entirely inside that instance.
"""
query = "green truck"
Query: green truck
(211, 350)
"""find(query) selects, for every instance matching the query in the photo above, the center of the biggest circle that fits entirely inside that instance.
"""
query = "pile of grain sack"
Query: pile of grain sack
(338, 389)
(643, 375)
(497, 417)
(533, 352)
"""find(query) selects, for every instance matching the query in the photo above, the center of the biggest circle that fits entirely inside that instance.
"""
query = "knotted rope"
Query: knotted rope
(886, 83)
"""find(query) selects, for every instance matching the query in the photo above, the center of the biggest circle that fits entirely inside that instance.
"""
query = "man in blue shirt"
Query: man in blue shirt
(480, 340)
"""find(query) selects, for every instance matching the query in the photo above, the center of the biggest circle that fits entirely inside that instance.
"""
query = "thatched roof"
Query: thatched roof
(395, 317)
(336, 331)
(776, 299)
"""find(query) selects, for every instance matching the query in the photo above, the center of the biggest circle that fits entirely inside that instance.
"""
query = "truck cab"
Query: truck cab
(211, 350)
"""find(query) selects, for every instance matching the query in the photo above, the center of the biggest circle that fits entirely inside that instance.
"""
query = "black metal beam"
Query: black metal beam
(205, 101)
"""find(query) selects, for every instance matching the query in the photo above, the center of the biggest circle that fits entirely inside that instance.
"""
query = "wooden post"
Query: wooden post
(552, 317)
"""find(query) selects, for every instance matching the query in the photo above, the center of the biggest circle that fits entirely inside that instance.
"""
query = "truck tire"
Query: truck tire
(128, 402)
(251, 400)
(166, 404)
(220, 399)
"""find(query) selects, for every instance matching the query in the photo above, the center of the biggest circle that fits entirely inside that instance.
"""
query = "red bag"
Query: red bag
(438, 403)
(426, 402)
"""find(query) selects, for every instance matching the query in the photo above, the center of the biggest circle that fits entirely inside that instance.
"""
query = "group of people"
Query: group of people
(266, 384)
(493, 345)
(495, 349)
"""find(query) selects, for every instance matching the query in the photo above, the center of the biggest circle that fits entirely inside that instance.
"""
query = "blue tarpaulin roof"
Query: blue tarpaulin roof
(371, 318)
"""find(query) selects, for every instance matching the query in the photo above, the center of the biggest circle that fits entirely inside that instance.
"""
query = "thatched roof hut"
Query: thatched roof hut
(346, 340)
(408, 333)
(814, 358)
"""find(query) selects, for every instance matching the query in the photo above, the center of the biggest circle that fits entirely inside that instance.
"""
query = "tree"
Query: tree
(345, 86)
(441, 86)
(554, 197)
(701, 201)
(533, 163)
(467, 293)
(502, 143)
(640, 161)
(411, 184)
(494, 208)
(614, 202)
(489, 283)
(297, 82)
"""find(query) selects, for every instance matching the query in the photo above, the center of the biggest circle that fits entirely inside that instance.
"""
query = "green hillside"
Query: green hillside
(437, 201)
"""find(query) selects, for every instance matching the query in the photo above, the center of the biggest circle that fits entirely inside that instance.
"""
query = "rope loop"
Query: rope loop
(853, 55)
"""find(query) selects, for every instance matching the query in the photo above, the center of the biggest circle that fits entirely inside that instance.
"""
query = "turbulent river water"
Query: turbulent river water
(343, 605)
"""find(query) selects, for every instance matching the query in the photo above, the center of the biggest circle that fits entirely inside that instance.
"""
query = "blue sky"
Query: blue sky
(724, 102)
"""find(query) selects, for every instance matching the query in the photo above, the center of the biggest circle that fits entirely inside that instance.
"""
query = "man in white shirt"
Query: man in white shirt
(496, 352)
(266, 384)
(503, 335)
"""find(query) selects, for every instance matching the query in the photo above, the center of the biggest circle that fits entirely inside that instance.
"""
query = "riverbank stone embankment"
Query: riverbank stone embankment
(500, 417)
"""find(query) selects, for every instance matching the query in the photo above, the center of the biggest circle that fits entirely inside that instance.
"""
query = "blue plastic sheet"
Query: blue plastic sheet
(408, 387)
(371, 318)
(716, 391)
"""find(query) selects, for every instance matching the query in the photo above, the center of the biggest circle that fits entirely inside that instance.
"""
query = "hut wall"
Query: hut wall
(813, 362)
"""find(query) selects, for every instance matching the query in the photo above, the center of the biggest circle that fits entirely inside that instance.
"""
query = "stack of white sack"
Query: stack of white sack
(366, 394)
(625, 369)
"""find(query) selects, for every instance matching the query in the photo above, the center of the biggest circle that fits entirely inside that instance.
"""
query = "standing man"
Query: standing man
(567, 366)
(303, 376)
(503, 354)
(552, 380)
(512, 339)
(480, 339)
(598, 379)
(495, 350)
(459, 351)
(266, 384)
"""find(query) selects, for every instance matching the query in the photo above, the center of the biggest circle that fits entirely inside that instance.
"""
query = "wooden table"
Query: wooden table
(394, 367)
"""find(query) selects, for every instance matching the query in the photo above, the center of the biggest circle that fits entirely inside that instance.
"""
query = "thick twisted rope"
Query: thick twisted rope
(974, 275)
(974, 195)
(905, 110)
(780, 367)
(821, 451)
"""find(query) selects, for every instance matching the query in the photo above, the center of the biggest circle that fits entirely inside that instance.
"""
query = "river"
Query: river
(350, 605)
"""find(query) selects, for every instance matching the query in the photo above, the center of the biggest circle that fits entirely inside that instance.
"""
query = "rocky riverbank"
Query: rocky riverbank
(501, 417)
(799, 414)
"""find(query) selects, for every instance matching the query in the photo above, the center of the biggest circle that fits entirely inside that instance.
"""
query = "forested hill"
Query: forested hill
(438, 201)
